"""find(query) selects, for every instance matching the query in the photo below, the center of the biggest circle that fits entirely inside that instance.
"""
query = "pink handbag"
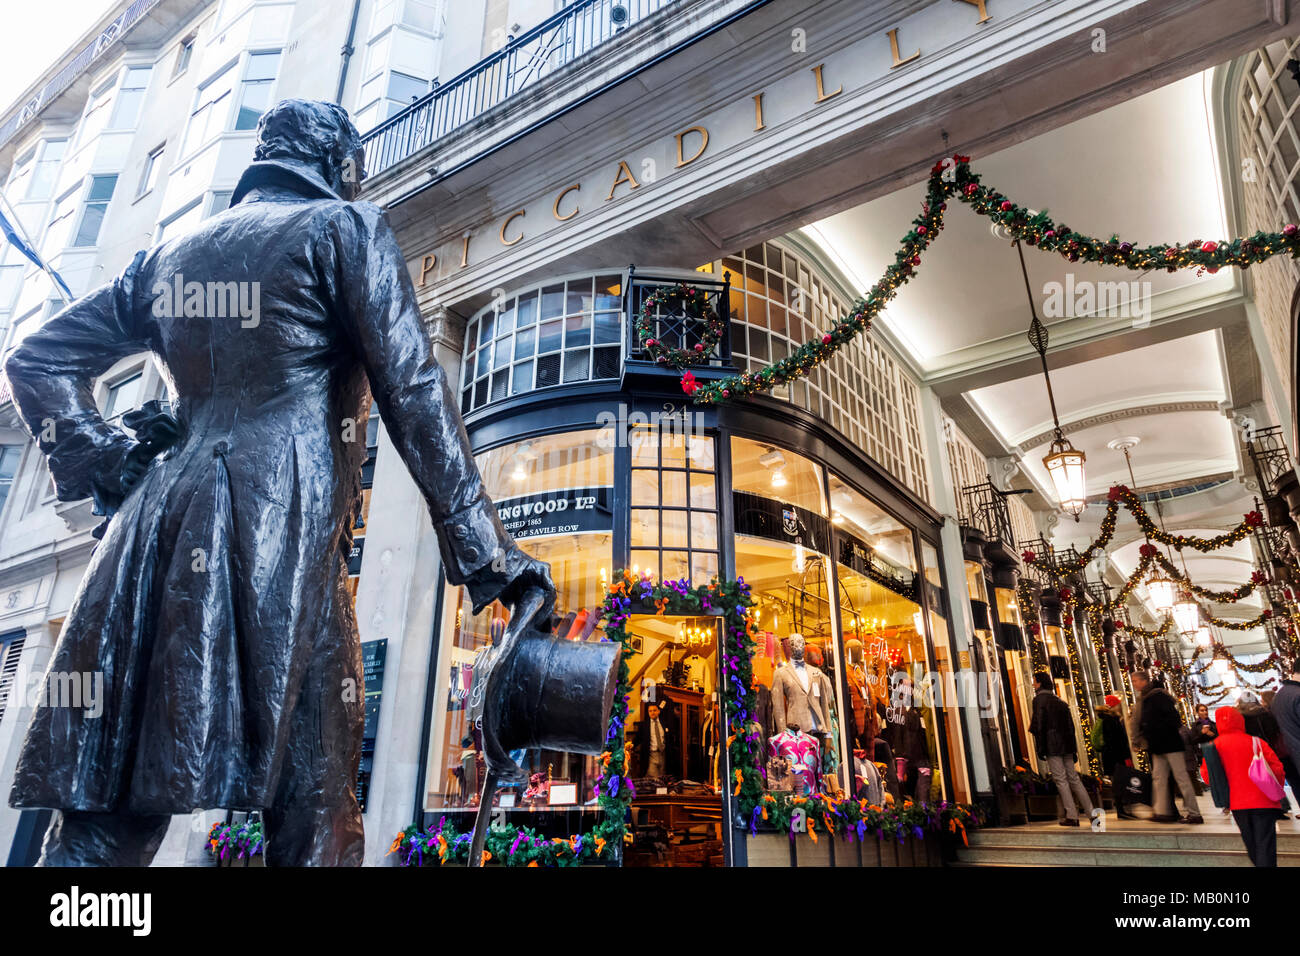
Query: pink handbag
(1261, 774)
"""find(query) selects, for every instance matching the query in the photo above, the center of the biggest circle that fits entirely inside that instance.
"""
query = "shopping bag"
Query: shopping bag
(1261, 774)
(1135, 784)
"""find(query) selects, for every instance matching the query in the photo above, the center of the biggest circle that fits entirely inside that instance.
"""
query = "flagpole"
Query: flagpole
(12, 216)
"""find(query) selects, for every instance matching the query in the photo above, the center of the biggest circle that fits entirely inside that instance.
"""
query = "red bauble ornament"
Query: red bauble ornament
(826, 339)
(1209, 246)
(1006, 205)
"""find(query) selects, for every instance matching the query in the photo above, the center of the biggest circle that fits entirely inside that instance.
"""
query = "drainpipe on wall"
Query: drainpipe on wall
(347, 51)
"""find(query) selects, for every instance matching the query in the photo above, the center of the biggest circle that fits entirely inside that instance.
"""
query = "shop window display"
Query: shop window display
(942, 681)
(986, 692)
(782, 540)
(675, 742)
(892, 728)
(1019, 690)
(553, 494)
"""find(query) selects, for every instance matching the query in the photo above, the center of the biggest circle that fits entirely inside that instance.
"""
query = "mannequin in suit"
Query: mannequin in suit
(800, 693)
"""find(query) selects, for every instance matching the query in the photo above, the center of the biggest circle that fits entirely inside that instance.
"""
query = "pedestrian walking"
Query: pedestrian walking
(1110, 740)
(1255, 811)
(1285, 709)
(1160, 724)
(1054, 739)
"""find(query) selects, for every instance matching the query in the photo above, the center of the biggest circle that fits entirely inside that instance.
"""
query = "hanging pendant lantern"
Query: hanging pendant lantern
(1203, 637)
(1163, 591)
(1064, 464)
(1187, 614)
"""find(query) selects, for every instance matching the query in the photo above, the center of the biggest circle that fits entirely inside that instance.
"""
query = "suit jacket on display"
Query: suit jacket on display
(794, 706)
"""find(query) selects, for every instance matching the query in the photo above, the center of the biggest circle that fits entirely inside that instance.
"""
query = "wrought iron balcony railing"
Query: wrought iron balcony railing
(1269, 455)
(674, 329)
(984, 507)
(576, 30)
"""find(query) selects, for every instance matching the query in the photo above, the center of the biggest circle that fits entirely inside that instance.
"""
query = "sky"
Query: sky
(36, 33)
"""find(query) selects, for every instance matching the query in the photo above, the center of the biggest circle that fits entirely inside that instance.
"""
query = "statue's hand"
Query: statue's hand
(529, 590)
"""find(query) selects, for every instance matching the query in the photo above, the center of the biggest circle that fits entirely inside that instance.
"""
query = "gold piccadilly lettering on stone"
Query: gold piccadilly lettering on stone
(893, 49)
(822, 95)
(704, 144)
(624, 176)
(426, 265)
(505, 225)
(556, 207)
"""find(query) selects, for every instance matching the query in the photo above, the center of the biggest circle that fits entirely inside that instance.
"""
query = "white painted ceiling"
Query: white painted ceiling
(1145, 170)
(1187, 370)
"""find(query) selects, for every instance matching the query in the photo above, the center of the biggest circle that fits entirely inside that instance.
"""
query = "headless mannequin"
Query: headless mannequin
(799, 692)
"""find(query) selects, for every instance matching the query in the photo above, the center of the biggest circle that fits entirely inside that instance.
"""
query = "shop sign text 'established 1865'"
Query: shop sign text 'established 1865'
(572, 511)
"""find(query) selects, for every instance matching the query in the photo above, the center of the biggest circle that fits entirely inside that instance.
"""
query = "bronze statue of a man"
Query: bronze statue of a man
(216, 606)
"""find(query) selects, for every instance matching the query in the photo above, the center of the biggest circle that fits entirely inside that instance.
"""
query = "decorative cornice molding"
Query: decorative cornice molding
(1117, 415)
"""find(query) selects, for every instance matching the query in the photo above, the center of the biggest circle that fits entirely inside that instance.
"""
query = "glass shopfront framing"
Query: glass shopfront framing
(834, 553)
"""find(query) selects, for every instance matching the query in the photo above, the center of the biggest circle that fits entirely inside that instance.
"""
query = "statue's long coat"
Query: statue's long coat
(216, 605)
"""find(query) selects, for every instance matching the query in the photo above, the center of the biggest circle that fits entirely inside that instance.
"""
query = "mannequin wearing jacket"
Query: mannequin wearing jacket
(800, 693)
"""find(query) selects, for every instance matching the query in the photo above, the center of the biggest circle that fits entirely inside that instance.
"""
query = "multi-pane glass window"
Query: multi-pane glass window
(65, 209)
(152, 167)
(674, 528)
(554, 494)
(20, 176)
(47, 169)
(782, 548)
(96, 113)
(123, 396)
(9, 457)
(126, 110)
(180, 223)
(255, 91)
(184, 53)
(97, 199)
(11, 279)
(779, 300)
(562, 333)
(209, 115)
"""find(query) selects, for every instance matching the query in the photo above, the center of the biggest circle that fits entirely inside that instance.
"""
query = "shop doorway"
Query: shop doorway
(675, 743)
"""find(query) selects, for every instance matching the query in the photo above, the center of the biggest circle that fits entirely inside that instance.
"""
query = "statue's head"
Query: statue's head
(318, 135)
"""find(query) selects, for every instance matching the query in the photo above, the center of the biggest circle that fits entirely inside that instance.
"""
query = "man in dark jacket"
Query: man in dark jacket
(1161, 726)
(1286, 711)
(1054, 739)
(1116, 756)
(216, 603)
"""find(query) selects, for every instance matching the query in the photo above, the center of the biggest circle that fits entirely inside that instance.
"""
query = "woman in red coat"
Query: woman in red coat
(1256, 814)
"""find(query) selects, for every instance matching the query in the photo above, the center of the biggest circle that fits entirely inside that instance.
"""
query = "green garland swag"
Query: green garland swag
(695, 303)
(953, 178)
(1122, 495)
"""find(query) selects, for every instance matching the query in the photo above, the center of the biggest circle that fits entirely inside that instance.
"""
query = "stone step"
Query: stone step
(1173, 837)
(1022, 855)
